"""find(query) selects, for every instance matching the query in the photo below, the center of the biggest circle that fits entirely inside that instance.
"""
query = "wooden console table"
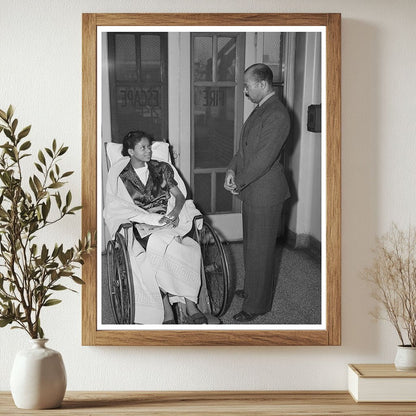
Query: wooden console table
(212, 403)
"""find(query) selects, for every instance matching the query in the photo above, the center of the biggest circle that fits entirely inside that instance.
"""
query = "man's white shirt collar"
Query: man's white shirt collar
(265, 98)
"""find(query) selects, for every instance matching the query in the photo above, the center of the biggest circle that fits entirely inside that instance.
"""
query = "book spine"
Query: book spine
(353, 381)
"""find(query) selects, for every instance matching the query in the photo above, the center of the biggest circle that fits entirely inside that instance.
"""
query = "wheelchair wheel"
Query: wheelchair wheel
(216, 270)
(120, 280)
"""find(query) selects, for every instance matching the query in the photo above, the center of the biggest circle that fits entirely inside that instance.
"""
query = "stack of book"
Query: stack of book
(381, 383)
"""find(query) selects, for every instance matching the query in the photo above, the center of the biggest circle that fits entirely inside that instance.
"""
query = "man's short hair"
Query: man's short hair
(261, 72)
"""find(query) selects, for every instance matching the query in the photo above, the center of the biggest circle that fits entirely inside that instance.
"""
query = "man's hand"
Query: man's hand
(229, 182)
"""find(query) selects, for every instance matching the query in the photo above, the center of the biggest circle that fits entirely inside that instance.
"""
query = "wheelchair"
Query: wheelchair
(217, 283)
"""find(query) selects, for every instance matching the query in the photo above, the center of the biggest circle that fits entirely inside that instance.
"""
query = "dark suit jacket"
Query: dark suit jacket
(259, 175)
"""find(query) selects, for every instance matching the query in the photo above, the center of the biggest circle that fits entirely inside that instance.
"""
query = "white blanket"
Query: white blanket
(170, 263)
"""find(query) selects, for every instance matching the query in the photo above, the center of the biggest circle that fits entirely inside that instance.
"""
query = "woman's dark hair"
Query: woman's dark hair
(132, 138)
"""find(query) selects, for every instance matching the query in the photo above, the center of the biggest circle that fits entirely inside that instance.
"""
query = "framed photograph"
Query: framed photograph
(174, 109)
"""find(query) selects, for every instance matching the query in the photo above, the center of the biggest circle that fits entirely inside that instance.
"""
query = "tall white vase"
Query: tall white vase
(38, 377)
(405, 358)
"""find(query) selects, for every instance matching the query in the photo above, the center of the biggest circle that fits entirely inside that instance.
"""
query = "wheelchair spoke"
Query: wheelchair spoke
(215, 268)
(120, 281)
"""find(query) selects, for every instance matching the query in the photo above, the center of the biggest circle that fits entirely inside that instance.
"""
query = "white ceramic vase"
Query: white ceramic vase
(405, 358)
(38, 377)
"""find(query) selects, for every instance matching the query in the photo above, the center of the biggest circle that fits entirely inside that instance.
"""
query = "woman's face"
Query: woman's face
(142, 151)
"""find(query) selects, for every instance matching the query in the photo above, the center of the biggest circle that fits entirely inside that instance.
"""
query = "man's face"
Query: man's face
(253, 89)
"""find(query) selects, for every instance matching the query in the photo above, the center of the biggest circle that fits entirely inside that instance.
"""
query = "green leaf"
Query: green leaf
(56, 185)
(59, 287)
(77, 208)
(44, 253)
(34, 249)
(33, 187)
(3, 115)
(68, 198)
(77, 280)
(8, 133)
(39, 167)
(40, 332)
(62, 257)
(54, 145)
(10, 112)
(58, 199)
(34, 226)
(57, 250)
(45, 211)
(63, 150)
(24, 132)
(5, 298)
(49, 152)
(67, 174)
(51, 302)
(37, 182)
(14, 125)
(25, 145)
(5, 321)
(25, 155)
(41, 157)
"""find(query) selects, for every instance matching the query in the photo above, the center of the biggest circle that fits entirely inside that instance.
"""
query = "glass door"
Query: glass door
(138, 83)
(217, 61)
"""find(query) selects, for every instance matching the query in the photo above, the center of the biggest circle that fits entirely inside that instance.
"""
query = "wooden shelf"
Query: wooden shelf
(221, 403)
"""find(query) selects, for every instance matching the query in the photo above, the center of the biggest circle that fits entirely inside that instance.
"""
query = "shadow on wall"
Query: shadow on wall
(360, 185)
(361, 85)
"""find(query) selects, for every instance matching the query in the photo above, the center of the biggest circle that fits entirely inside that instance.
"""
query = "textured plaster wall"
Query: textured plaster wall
(40, 73)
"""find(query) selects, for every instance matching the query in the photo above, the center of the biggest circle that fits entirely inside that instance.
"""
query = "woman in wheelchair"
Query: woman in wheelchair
(165, 263)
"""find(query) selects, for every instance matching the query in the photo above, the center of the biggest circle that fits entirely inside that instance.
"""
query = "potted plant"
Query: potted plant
(32, 272)
(393, 277)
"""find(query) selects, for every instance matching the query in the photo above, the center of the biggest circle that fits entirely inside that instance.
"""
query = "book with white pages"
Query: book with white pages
(381, 383)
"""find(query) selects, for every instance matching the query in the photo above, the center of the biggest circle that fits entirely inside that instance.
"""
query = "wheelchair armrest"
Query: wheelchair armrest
(195, 228)
(123, 228)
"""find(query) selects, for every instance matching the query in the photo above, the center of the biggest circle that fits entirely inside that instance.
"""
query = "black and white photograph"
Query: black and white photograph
(211, 206)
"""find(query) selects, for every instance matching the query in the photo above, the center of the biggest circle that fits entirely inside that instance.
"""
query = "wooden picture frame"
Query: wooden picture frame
(331, 334)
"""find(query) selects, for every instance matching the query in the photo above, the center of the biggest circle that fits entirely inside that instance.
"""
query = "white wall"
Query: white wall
(40, 73)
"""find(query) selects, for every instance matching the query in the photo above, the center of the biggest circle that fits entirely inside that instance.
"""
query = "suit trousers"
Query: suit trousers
(261, 227)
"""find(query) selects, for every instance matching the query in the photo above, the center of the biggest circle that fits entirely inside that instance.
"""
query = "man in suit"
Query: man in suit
(257, 177)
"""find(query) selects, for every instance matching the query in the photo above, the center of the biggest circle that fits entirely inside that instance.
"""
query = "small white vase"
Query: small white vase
(38, 377)
(405, 358)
